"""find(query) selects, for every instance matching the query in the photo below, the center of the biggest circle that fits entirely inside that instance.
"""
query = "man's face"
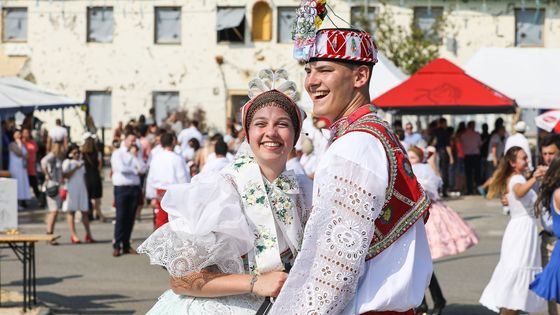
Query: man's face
(331, 87)
(548, 153)
(129, 141)
(408, 128)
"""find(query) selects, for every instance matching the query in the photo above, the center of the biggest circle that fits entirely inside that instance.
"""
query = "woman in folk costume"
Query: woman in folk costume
(233, 234)
(520, 257)
(448, 234)
(547, 283)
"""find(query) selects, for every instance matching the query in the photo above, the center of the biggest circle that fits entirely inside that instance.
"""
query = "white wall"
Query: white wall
(132, 66)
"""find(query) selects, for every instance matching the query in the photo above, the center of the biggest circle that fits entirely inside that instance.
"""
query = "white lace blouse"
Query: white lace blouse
(330, 274)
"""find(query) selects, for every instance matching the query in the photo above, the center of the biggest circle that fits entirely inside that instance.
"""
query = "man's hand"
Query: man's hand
(270, 284)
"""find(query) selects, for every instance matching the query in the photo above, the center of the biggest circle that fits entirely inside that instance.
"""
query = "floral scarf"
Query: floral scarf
(270, 208)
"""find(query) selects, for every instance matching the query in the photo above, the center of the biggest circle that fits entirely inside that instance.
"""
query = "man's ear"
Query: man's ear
(361, 76)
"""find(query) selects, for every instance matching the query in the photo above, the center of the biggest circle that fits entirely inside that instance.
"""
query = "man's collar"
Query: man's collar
(338, 127)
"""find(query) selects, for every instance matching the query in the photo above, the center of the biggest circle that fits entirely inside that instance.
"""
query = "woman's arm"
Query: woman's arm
(16, 149)
(521, 190)
(215, 284)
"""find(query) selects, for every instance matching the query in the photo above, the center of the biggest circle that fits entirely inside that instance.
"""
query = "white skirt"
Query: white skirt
(520, 261)
(170, 303)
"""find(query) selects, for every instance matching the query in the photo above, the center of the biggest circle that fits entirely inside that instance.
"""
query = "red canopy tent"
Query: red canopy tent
(443, 88)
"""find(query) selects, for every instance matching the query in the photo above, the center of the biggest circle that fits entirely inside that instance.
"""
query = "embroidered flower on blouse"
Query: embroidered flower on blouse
(253, 194)
(263, 239)
(241, 160)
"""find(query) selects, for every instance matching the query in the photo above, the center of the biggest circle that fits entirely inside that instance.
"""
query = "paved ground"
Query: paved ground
(86, 279)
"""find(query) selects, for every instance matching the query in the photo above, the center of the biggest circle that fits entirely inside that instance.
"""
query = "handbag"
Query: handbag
(52, 191)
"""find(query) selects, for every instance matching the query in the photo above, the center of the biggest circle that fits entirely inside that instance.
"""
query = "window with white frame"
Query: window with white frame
(164, 104)
(363, 17)
(100, 24)
(99, 104)
(14, 24)
(168, 25)
(529, 27)
(425, 18)
(230, 24)
(286, 18)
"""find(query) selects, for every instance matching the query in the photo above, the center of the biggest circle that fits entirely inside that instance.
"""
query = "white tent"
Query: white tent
(20, 95)
(17, 95)
(385, 76)
(528, 75)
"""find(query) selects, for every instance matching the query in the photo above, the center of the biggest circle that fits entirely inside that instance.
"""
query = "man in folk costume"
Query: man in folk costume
(365, 249)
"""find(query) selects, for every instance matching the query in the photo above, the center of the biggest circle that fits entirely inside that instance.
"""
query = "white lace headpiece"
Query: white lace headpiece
(268, 80)
(267, 83)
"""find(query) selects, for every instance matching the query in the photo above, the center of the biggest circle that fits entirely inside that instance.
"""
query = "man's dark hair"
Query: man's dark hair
(220, 148)
(166, 140)
(194, 123)
(58, 122)
(551, 139)
(217, 137)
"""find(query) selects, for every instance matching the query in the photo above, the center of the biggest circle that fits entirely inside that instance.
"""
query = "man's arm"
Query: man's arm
(325, 276)
(121, 162)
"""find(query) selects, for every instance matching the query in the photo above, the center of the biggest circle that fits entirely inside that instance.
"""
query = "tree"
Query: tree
(409, 49)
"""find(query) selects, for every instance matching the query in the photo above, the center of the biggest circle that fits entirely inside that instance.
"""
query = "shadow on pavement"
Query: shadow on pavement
(466, 309)
(460, 257)
(473, 217)
(47, 280)
(84, 304)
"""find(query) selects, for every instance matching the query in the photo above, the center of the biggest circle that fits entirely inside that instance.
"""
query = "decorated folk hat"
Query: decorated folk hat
(341, 44)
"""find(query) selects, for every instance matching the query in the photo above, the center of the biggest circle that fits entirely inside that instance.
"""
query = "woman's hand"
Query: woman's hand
(270, 284)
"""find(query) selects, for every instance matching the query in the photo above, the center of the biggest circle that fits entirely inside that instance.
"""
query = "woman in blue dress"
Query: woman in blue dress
(547, 283)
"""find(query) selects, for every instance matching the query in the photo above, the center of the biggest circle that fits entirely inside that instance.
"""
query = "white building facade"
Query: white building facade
(125, 57)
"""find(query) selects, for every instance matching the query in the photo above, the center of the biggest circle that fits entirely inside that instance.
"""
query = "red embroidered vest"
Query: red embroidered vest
(405, 200)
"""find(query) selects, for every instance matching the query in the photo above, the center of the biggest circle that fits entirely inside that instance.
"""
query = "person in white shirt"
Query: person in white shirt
(410, 137)
(58, 134)
(127, 168)
(219, 161)
(519, 140)
(166, 168)
(188, 133)
(293, 163)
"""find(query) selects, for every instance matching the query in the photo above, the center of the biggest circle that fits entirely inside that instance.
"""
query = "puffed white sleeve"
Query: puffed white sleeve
(348, 197)
(207, 227)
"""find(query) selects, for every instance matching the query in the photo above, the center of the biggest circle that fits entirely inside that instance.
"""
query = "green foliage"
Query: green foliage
(408, 48)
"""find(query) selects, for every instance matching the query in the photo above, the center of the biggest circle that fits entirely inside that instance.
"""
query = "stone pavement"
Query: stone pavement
(86, 279)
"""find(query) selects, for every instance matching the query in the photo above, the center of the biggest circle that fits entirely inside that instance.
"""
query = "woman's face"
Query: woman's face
(520, 164)
(75, 154)
(271, 135)
(17, 135)
(413, 157)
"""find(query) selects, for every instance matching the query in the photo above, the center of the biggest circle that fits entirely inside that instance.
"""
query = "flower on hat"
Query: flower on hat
(309, 17)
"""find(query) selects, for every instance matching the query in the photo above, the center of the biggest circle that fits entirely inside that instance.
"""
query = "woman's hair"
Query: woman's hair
(551, 181)
(89, 146)
(498, 181)
(277, 99)
(71, 148)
